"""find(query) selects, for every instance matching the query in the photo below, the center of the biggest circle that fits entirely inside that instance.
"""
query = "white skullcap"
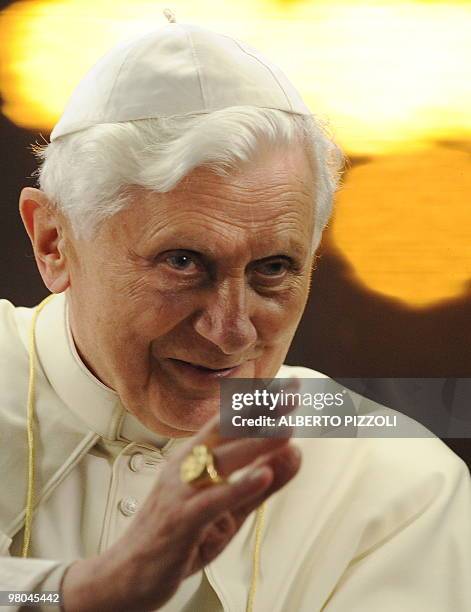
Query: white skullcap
(174, 70)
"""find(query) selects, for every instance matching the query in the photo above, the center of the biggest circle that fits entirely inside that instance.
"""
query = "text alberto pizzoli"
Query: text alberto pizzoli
(317, 401)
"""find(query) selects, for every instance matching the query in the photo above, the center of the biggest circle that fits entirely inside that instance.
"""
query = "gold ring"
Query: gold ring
(198, 467)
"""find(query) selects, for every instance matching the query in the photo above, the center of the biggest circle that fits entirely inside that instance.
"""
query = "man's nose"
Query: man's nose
(225, 319)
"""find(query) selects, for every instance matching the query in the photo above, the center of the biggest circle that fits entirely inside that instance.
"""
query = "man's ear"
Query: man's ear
(45, 229)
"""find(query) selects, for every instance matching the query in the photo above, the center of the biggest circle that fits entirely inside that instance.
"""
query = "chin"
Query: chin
(188, 416)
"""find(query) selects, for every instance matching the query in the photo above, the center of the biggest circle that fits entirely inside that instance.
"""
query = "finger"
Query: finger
(261, 481)
(235, 455)
(212, 501)
(280, 467)
(285, 465)
(216, 537)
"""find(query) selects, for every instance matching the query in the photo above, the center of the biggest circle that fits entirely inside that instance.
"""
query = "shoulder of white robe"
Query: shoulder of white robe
(61, 440)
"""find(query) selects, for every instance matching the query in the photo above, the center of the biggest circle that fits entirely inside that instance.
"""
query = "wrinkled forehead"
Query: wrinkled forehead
(269, 201)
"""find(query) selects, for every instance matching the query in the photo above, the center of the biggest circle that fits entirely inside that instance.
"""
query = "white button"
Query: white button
(128, 506)
(137, 462)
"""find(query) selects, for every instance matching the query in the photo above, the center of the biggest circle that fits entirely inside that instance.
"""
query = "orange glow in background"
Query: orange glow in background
(392, 78)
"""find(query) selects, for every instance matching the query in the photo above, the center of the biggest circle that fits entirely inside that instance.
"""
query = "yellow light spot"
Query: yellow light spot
(389, 76)
(404, 223)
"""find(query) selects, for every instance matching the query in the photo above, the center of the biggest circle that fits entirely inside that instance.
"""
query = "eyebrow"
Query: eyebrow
(188, 240)
(295, 249)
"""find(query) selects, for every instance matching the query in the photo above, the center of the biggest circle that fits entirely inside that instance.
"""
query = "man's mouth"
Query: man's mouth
(203, 371)
(206, 368)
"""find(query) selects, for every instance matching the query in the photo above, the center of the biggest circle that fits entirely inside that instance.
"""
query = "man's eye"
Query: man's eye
(272, 268)
(181, 261)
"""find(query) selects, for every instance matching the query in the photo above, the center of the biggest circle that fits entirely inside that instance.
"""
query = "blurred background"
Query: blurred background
(391, 296)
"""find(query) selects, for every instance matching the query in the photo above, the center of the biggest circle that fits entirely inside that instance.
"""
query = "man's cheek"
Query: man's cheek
(157, 315)
(281, 322)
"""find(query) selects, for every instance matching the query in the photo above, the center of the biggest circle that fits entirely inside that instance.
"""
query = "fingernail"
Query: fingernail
(257, 473)
(297, 451)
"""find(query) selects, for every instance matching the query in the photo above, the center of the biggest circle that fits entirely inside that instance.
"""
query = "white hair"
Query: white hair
(87, 174)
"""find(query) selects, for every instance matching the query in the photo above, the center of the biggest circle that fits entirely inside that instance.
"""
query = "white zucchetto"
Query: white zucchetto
(175, 70)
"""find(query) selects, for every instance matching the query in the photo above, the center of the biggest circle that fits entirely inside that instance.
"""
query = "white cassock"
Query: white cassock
(368, 525)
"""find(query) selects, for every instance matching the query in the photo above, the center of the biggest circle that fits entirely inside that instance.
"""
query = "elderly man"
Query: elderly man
(181, 200)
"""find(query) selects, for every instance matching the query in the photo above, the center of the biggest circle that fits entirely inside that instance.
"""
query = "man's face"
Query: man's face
(181, 289)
